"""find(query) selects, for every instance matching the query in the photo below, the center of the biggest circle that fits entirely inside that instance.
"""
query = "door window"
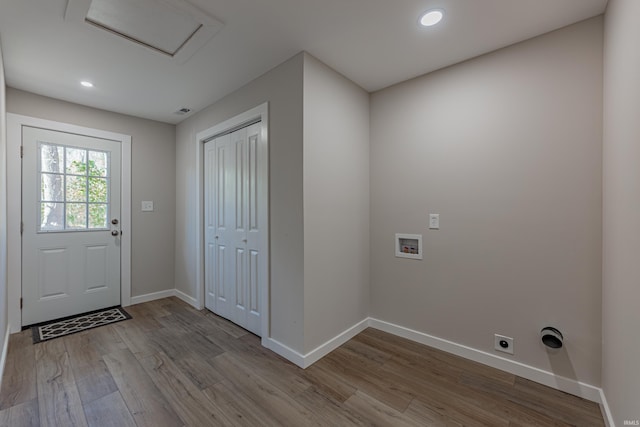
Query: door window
(74, 188)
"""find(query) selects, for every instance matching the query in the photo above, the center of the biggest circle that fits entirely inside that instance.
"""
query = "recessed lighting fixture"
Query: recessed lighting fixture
(86, 83)
(431, 17)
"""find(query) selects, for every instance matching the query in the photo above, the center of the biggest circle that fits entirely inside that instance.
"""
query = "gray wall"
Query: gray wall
(336, 203)
(319, 205)
(282, 88)
(153, 178)
(507, 149)
(621, 290)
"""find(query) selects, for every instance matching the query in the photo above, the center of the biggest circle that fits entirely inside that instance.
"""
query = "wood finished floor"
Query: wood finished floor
(172, 365)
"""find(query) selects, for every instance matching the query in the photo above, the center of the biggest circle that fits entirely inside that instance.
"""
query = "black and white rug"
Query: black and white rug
(71, 325)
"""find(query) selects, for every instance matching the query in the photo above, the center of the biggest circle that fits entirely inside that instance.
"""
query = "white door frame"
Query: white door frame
(15, 122)
(261, 112)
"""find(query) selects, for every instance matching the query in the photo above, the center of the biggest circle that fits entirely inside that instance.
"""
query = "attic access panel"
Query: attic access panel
(174, 28)
(151, 23)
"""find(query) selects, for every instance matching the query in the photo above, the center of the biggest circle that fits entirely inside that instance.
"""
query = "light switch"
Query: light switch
(434, 221)
(147, 206)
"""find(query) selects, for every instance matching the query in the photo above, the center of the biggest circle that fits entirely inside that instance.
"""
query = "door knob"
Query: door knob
(114, 221)
(115, 232)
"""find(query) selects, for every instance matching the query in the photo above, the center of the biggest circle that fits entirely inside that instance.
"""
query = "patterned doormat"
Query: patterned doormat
(71, 325)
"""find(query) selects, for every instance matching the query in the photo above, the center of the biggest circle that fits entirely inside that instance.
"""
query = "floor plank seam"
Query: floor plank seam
(173, 365)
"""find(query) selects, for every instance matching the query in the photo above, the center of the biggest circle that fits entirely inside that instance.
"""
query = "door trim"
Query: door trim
(259, 113)
(15, 122)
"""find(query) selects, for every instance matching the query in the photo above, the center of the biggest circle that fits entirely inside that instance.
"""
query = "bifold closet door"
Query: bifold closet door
(234, 244)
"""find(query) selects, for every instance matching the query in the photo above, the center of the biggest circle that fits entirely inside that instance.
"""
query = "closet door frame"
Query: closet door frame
(259, 113)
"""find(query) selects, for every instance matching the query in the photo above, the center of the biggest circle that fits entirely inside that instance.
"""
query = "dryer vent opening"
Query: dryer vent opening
(551, 337)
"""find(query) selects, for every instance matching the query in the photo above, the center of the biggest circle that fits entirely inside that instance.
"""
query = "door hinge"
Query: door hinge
(21, 151)
(21, 228)
(20, 303)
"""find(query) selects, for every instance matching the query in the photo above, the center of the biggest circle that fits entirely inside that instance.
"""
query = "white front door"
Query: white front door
(71, 224)
(235, 212)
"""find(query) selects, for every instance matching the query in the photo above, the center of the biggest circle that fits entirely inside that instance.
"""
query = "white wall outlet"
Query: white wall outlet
(503, 344)
(434, 221)
(147, 206)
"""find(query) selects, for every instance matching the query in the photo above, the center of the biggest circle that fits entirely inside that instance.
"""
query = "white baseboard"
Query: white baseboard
(577, 388)
(153, 296)
(165, 294)
(314, 355)
(567, 385)
(306, 360)
(188, 299)
(606, 411)
(5, 349)
(288, 353)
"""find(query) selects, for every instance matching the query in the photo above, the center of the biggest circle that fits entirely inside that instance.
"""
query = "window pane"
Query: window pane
(51, 158)
(76, 161)
(98, 216)
(51, 216)
(98, 190)
(51, 187)
(98, 163)
(76, 215)
(76, 189)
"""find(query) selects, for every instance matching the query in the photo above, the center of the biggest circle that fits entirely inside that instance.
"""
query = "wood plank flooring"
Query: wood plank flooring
(172, 365)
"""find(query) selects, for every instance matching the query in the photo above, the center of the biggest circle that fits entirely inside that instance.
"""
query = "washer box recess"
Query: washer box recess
(409, 246)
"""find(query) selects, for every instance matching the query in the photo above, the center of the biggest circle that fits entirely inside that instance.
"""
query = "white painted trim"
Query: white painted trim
(314, 355)
(125, 213)
(567, 385)
(606, 410)
(165, 294)
(288, 353)
(5, 350)
(260, 112)
(14, 197)
(14, 241)
(306, 360)
(187, 298)
(153, 296)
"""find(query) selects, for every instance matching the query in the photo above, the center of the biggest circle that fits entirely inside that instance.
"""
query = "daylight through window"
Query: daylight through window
(74, 188)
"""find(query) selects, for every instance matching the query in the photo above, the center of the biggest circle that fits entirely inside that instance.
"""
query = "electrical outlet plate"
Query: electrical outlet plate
(499, 342)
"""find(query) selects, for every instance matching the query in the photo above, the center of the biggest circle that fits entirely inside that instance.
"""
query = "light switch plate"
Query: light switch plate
(147, 206)
(434, 221)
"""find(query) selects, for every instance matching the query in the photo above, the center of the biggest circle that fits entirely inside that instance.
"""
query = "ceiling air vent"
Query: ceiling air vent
(174, 28)
(183, 111)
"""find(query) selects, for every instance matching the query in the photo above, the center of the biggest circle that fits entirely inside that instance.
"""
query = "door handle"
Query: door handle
(115, 232)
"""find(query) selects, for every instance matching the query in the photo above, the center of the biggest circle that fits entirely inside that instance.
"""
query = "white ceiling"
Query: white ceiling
(375, 43)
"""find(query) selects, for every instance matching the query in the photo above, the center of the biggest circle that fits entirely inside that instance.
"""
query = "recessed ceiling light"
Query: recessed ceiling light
(431, 17)
(86, 83)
